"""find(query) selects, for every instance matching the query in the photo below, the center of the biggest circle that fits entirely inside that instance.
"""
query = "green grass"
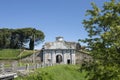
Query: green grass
(25, 54)
(13, 54)
(59, 72)
(9, 53)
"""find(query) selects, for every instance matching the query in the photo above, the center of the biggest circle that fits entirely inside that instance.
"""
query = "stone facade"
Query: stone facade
(60, 51)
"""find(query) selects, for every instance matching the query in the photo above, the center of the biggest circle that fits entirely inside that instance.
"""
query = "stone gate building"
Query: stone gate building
(60, 51)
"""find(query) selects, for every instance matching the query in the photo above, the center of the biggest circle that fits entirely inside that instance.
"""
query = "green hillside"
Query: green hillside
(58, 72)
(14, 54)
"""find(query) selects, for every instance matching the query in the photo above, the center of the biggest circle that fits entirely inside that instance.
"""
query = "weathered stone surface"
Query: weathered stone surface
(59, 51)
(82, 56)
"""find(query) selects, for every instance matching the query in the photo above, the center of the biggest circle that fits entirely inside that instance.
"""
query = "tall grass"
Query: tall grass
(59, 72)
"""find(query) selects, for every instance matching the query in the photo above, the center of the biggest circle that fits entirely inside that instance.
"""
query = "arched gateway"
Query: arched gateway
(58, 59)
(59, 51)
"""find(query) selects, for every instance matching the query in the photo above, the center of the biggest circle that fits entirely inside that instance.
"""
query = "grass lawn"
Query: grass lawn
(13, 54)
(9, 53)
(58, 72)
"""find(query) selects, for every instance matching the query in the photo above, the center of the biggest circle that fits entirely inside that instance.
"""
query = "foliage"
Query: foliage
(4, 36)
(103, 27)
(16, 38)
(59, 72)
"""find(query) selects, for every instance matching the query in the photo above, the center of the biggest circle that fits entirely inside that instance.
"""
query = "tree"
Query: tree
(4, 37)
(103, 27)
(17, 38)
(32, 40)
(30, 35)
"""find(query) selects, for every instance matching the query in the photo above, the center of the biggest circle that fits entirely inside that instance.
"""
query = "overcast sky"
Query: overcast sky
(53, 17)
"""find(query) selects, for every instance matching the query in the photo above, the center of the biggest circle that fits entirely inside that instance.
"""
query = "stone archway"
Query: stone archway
(58, 59)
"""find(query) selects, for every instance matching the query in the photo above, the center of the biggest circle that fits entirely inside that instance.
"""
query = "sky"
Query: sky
(53, 17)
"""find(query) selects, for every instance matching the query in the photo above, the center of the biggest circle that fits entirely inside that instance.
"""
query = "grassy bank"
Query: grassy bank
(14, 54)
(58, 72)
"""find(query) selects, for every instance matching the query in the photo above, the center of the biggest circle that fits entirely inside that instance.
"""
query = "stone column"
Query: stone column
(63, 57)
(37, 65)
(27, 66)
(64, 54)
(14, 66)
(73, 57)
(53, 57)
(43, 56)
(2, 68)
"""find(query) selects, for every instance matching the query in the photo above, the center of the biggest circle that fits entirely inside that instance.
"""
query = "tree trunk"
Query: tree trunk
(31, 44)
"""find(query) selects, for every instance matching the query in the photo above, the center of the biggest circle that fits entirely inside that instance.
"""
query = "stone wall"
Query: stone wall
(82, 56)
(35, 56)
